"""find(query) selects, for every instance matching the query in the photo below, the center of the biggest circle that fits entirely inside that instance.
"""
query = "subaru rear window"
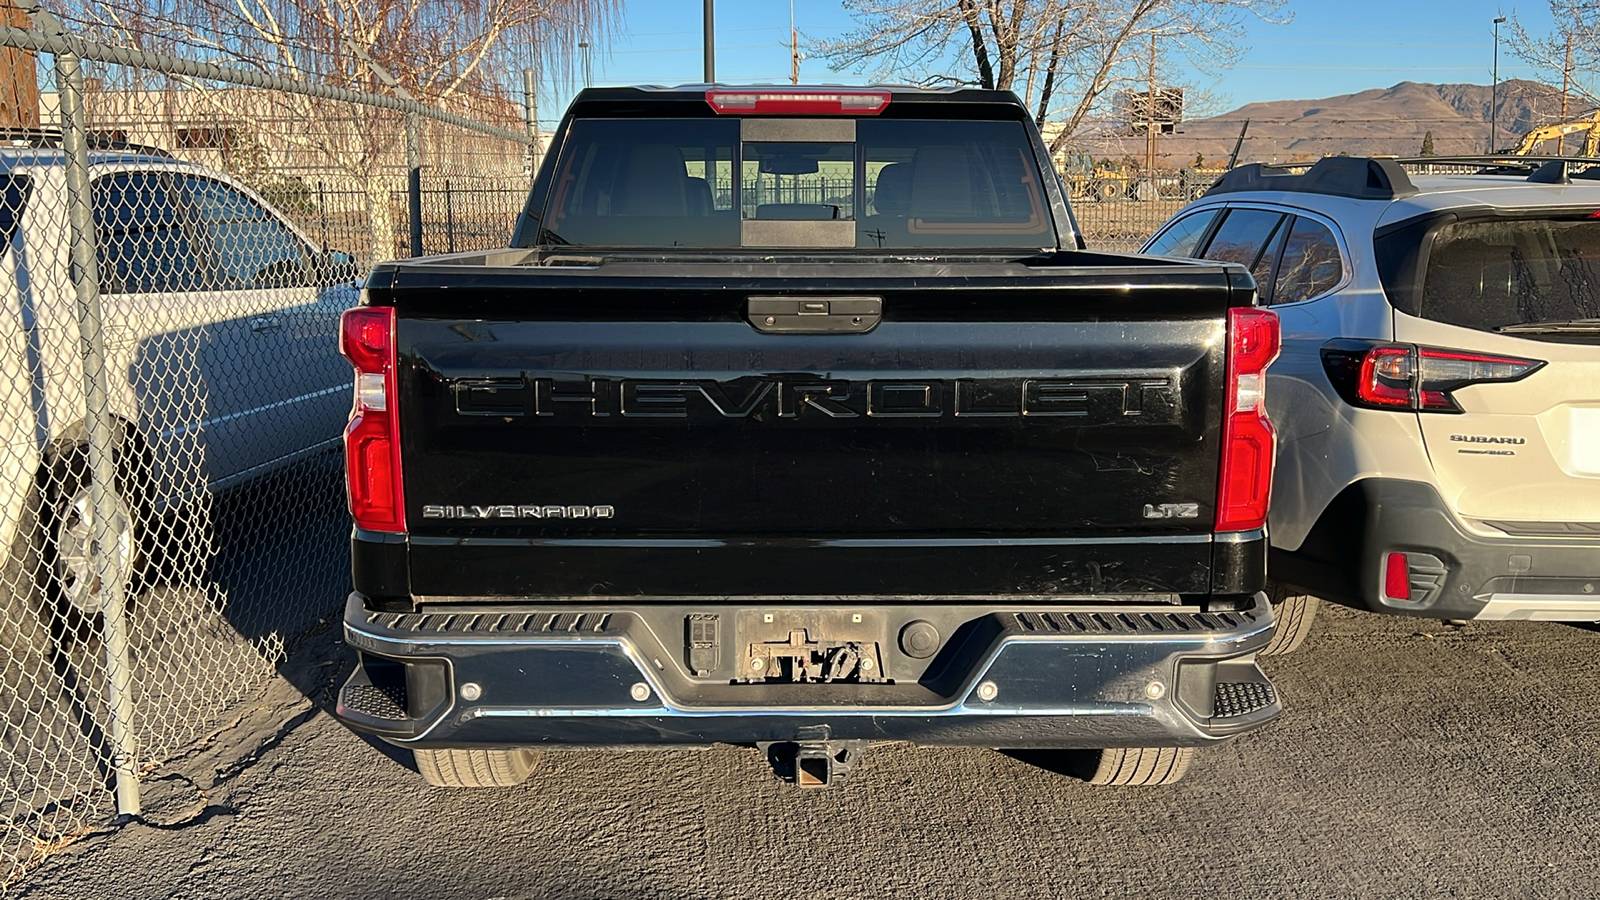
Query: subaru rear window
(14, 190)
(1491, 274)
(662, 183)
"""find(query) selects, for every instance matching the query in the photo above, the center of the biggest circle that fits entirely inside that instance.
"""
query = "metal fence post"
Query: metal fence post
(102, 435)
(449, 217)
(322, 210)
(414, 179)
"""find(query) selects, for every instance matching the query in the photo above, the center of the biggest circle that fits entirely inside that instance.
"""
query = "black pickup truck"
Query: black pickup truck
(802, 419)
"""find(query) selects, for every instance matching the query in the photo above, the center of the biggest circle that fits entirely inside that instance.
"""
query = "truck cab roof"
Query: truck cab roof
(691, 100)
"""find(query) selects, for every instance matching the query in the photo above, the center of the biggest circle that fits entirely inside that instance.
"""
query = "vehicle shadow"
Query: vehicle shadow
(1078, 764)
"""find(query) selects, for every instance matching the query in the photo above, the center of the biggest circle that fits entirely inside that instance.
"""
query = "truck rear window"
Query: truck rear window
(13, 197)
(1491, 274)
(662, 183)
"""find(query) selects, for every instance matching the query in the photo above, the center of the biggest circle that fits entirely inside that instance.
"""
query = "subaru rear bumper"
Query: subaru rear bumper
(516, 675)
(1451, 573)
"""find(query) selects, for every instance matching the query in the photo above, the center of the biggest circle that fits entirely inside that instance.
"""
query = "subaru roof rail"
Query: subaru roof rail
(1357, 177)
(1537, 169)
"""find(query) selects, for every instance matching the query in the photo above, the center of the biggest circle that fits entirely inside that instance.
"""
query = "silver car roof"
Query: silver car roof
(12, 158)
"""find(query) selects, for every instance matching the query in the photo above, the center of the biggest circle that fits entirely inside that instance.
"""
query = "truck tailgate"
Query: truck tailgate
(1022, 429)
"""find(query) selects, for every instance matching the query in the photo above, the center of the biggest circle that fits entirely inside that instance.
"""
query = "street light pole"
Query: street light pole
(711, 47)
(1494, 92)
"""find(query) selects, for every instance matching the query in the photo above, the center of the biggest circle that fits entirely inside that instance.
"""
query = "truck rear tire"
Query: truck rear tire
(1136, 766)
(476, 768)
(1295, 614)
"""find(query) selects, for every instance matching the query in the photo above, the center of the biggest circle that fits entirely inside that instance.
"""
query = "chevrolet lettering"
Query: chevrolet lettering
(1099, 398)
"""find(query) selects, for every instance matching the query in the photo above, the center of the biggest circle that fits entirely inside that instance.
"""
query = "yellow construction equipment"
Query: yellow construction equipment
(1589, 124)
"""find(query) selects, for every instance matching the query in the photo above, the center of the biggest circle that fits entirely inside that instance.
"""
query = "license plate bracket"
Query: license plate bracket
(810, 646)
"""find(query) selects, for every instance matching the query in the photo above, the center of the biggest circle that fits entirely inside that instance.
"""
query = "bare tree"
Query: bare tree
(465, 55)
(1569, 54)
(1067, 55)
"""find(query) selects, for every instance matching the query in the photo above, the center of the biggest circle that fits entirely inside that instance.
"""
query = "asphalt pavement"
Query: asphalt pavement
(1416, 759)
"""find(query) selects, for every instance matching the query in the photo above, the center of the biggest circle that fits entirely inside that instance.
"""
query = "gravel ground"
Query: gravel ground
(1416, 759)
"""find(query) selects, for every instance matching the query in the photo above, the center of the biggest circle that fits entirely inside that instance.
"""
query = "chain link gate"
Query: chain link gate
(177, 242)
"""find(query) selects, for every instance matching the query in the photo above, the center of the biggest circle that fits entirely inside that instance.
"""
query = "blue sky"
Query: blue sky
(1330, 48)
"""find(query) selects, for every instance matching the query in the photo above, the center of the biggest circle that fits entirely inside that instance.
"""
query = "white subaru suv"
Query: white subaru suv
(1437, 400)
(220, 324)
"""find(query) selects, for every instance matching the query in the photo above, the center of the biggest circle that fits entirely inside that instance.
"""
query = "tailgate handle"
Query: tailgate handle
(815, 315)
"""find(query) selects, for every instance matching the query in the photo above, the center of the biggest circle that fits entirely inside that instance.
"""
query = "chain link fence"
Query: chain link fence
(177, 242)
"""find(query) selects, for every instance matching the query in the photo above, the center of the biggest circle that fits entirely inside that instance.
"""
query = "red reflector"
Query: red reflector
(1396, 577)
(781, 102)
(1244, 489)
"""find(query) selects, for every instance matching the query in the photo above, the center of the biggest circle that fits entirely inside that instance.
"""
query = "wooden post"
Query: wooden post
(19, 83)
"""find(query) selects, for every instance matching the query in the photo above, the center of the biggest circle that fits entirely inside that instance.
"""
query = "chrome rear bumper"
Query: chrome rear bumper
(1046, 676)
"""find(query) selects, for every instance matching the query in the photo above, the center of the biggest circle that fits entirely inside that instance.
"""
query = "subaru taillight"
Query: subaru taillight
(797, 101)
(372, 439)
(1418, 379)
(1248, 441)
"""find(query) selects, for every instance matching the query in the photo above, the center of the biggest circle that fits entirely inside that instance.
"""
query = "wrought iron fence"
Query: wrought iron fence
(1122, 224)
(177, 242)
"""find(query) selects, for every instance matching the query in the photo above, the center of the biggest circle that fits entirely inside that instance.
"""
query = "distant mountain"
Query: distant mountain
(1375, 122)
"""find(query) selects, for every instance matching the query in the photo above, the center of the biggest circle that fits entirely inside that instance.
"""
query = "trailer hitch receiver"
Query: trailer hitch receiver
(813, 764)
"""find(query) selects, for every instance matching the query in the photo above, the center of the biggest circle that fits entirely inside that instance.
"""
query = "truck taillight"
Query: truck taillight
(1248, 441)
(1411, 378)
(372, 439)
(797, 102)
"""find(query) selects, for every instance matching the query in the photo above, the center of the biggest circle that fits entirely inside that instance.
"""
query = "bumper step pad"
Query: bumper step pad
(372, 700)
(1241, 698)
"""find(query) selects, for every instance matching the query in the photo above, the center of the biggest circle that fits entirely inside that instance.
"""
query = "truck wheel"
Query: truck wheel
(1295, 614)
(1141, 765)
(476, 768)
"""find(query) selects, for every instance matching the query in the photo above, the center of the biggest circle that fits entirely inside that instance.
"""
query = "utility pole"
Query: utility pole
(19, 85)
(530, 104)
(1150, 115)
(794, 47)
(1494, 92)
(530, 112)
(1566, 81)
(711, 44)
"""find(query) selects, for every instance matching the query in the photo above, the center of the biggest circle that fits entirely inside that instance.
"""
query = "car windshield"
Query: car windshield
(1501, 273)
(899, 184)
